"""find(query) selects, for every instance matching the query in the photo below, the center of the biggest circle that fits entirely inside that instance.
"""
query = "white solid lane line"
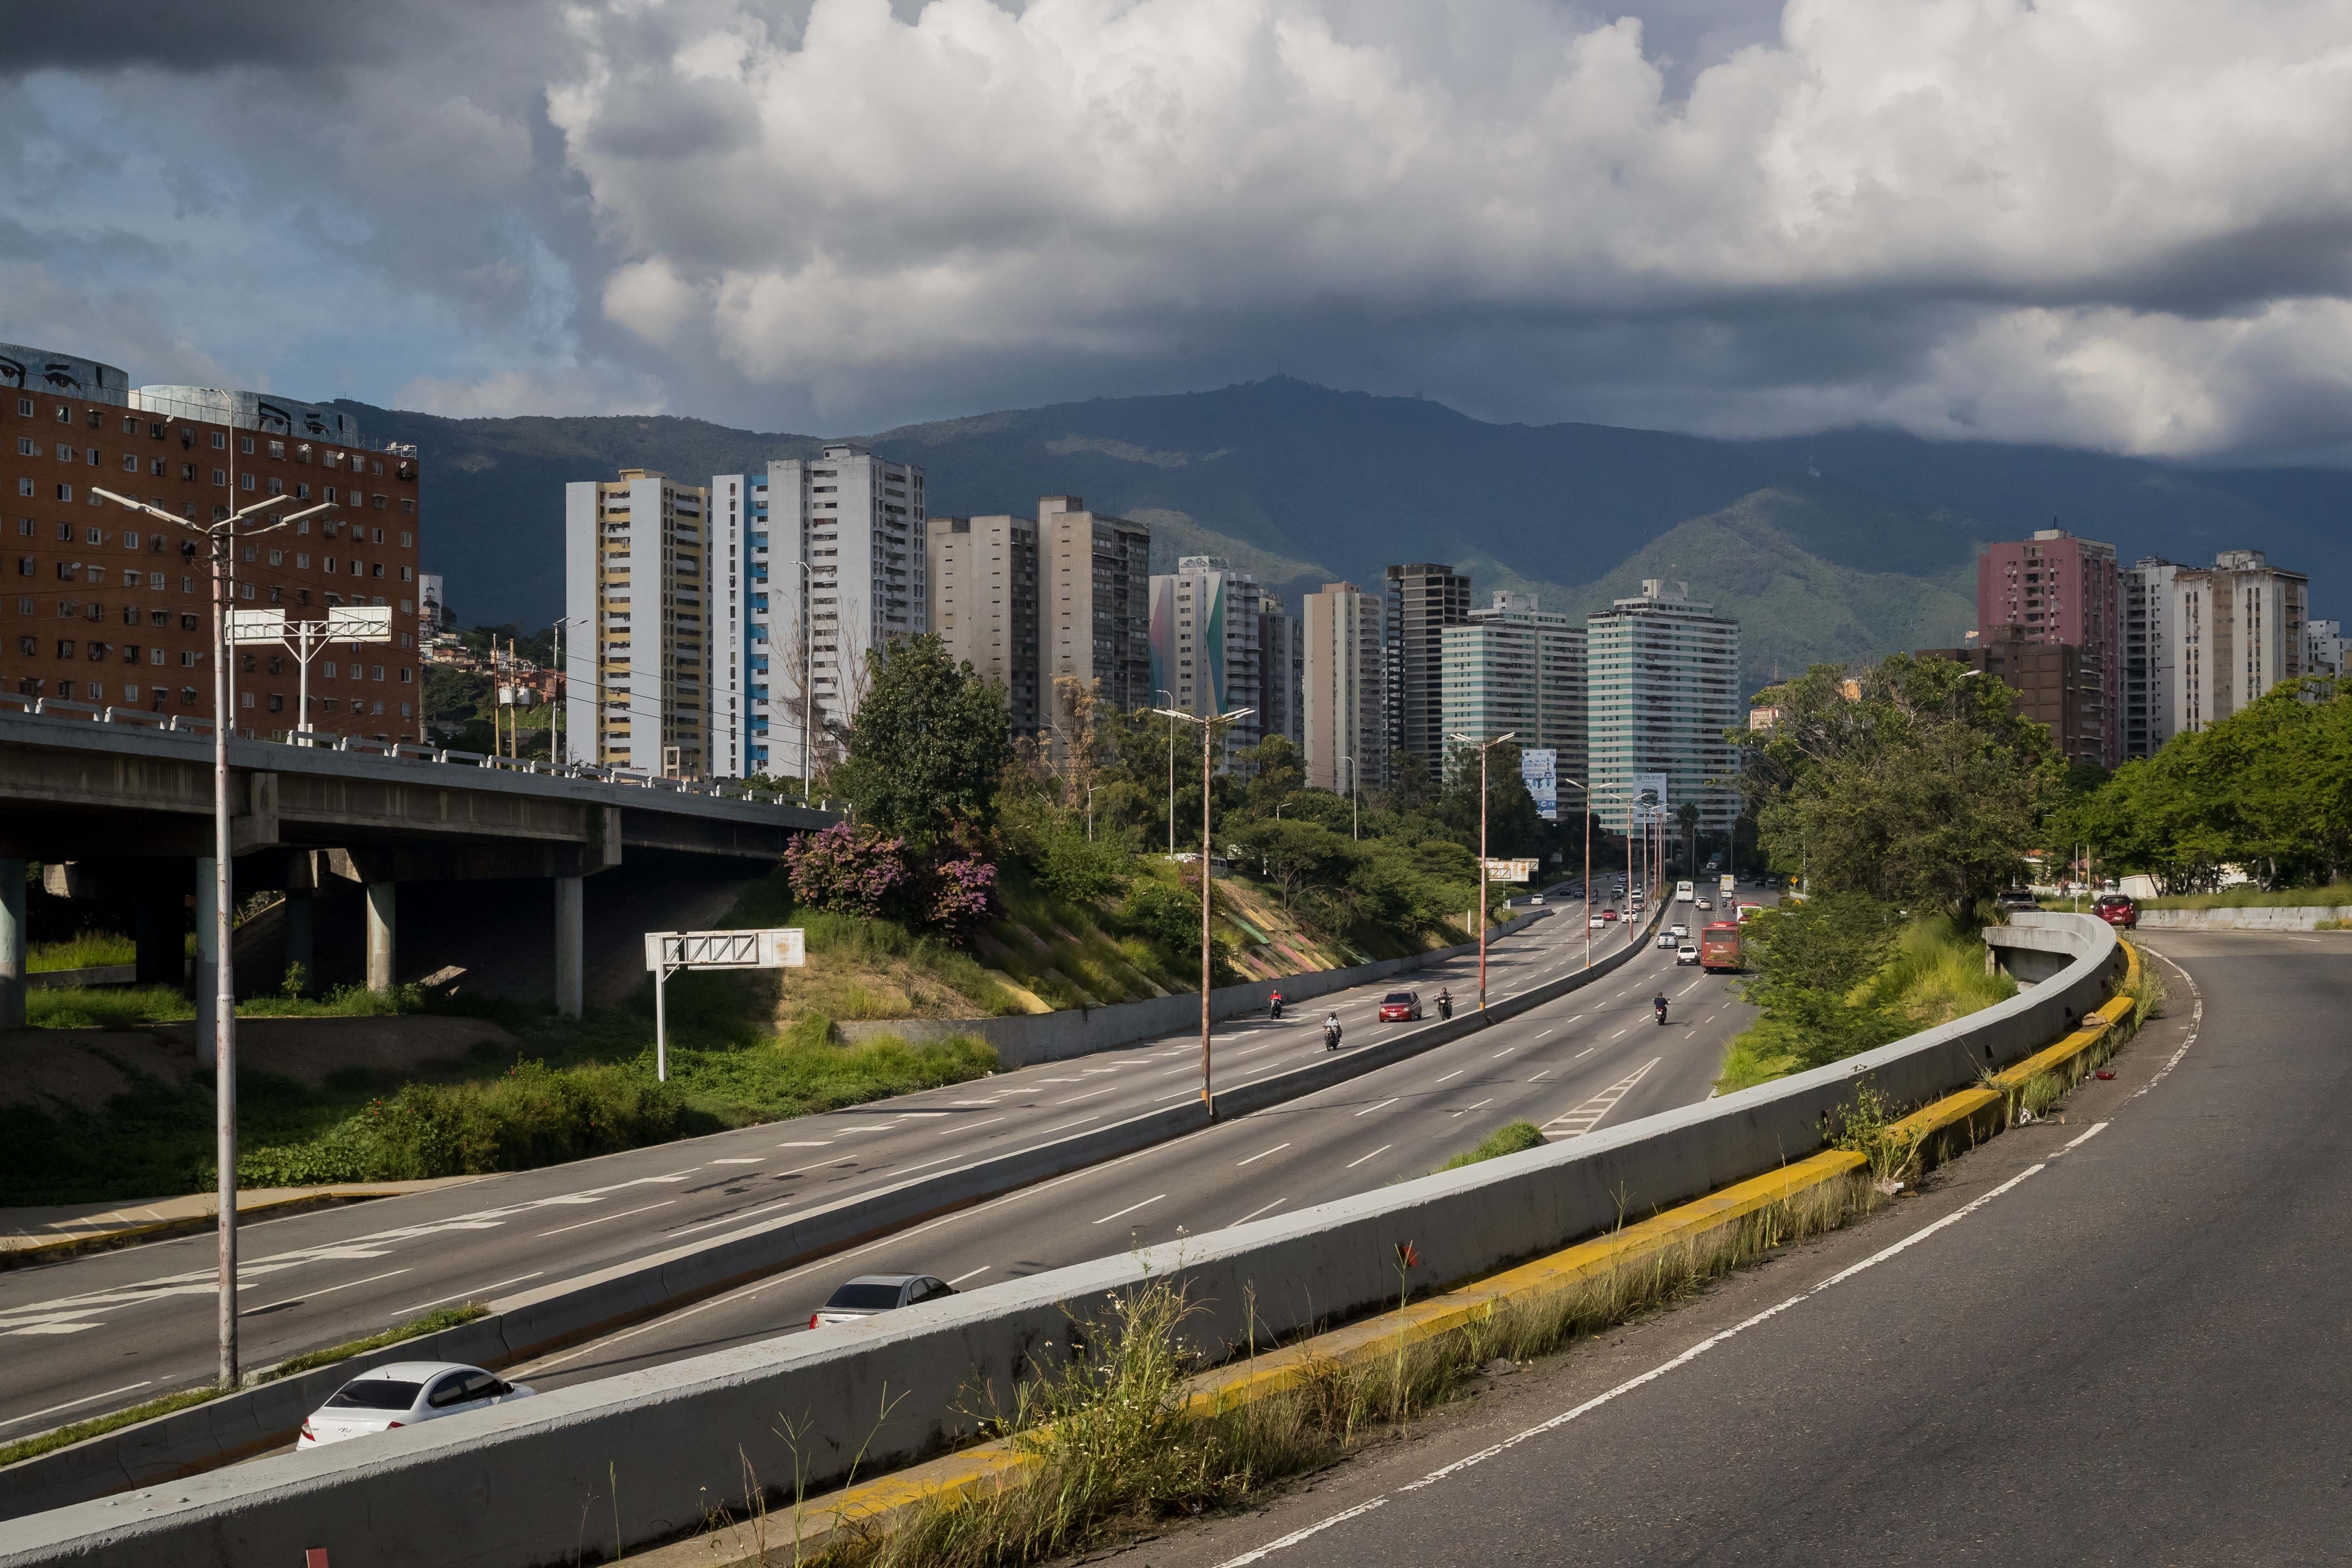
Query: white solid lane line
(969, 1127)
(326, 1291)
(818, 1143)
(738, 1161)
(973, 1275)
(1255, 1213)
(1261, 1154)
(1130, 1209)
(1457, 1072)
(1381, 1149)
(76, 1403)
(476, 1291)
(1384, 1105)
(601, 1218)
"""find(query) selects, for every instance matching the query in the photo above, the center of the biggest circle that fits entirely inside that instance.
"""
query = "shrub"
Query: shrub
(854, 870)
(962, 895)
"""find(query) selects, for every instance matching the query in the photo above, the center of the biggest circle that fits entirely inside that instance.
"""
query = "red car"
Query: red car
(1609, 914)
(2117, 910)
(1401, 1007)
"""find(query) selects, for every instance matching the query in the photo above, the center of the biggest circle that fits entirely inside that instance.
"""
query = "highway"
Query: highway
(117, 1327)
(1594, 1057)
(2116, 1339)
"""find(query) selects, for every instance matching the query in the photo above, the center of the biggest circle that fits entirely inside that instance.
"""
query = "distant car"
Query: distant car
(1609, 914)
(870, 1294)
(1401, 1007)
(1536, 900)
(1667, 938)
(1597, 921)
(1706, 903)
(1686, 953)
(2117, 910)
(1678, 931)
(402, 1394)
(2018, 898)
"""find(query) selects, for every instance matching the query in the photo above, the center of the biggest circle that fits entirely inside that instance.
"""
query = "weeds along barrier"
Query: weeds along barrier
(577, 1473)
(1026, 1039)
(534, 1322)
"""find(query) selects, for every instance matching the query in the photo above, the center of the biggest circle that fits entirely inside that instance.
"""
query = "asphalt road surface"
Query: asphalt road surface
(1595, 1055)
(2115, 1339)
(98, 1332)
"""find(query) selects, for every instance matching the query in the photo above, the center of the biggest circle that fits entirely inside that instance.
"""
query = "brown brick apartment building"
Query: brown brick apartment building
(105, 606)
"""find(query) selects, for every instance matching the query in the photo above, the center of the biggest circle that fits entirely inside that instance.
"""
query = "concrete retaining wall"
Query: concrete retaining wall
(1026, 1039)
(2259, 917)
(103, 974)
(643, 1457)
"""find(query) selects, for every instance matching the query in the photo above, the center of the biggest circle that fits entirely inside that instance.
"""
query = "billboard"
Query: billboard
(1539, 770)
(1649, 795)
(1509, 870)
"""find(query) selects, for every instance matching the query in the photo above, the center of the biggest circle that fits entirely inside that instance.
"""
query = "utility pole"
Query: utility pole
(222, 537)
(1208, 723)
(1169, 711)
(1484, 747)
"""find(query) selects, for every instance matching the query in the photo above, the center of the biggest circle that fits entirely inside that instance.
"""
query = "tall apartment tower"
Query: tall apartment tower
(737, 546)
(1282, 669)
(2323, 645)
(2242, 631)
(2057, 588)
(1206, 625)
(857, 521)
(985, 606)
(1423, 599)
(1515, 666)
(636, 590)
(1094, 609)
(1663, 687)
(2151, 655)
(1343, 699)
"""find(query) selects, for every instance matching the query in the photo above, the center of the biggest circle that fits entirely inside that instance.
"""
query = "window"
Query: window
(377, 535)
(65, 648)
(278, 558)
(379, 672)
(220, 475)
(131, 656)
(303, 561)
(64, 493)
(25, 407)
(220, 440)
(24, 486)
(245, 444)
(245, 698)
(23, 566)
(245, 481)
(277, 700)
(65, 453)
(277, 448)
(28, 647)
(187, 660)
(93, 458)
(154, 655)
(408, 574)
(27, 448)
(406, 675)
(376, 501)
(188, 693)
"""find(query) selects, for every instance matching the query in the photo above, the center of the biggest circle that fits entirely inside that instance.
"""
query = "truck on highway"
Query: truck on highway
(1729, 884)
(1718, 948)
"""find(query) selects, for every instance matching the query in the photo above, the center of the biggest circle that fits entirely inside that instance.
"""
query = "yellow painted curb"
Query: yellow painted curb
(961, 1476)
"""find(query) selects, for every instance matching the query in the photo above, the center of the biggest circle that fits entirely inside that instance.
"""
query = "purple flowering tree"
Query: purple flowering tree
(855, 870)
(962, 895)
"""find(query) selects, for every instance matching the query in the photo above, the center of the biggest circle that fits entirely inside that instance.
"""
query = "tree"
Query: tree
(1806, 962)
(1915, 783)
(929, 746)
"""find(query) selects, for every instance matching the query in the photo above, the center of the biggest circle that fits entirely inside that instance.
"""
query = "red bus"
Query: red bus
(1718, 947)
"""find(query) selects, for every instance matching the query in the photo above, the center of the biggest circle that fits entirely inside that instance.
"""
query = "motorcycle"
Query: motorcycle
(1273, 1009)
(1660, 1005)
(1445, 1007)
(1332, 1037)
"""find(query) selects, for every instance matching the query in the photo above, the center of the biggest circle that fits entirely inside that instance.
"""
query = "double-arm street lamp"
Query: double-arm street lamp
(1484, 747)
(223, 537)
(1208, 722)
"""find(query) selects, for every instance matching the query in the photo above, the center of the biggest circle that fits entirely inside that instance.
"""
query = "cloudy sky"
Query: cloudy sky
(2114, 223)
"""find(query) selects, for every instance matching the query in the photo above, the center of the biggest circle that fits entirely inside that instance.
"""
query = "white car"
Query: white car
(1678, 931)
(871, 1293)
(1665, 939)
(1597, 923)
(1706, 903)
(402, 1394)
(1686, 953)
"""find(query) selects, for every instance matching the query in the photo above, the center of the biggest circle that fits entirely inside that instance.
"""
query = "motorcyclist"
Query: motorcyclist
(1273, 1004)
(1659, 1002)
(1331, 1031)
(1444, 1003)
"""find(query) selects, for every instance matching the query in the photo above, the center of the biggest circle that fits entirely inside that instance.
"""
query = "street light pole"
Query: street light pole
(1169, 709)
(222, 537)
(1587, 790)
(1208, 723)
(1484, 747)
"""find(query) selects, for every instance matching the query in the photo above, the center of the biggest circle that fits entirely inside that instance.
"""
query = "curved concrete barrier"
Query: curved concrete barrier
(649, 1454)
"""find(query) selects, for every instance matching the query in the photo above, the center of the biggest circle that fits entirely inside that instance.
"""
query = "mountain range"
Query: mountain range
(1839, 546)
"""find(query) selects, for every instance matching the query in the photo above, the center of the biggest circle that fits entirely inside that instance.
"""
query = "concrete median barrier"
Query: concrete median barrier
(648, 1455)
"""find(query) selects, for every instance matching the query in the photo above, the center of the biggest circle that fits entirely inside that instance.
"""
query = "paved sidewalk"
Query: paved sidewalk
(31, 1230)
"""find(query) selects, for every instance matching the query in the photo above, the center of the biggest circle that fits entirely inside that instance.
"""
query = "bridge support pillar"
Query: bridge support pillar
(12, 943)
(207, 961)
(382, 928)
(301, 944)
(570, 945)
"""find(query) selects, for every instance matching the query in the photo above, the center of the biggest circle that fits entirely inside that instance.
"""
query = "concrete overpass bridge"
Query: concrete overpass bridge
(118, 806)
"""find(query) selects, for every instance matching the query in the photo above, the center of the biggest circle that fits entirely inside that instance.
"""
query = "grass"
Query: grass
(130, 1006)
(1110, 1450)
(83, 950)
(98, 1426)
(2336, 895)
(1511, 1138)
(1935, 974)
